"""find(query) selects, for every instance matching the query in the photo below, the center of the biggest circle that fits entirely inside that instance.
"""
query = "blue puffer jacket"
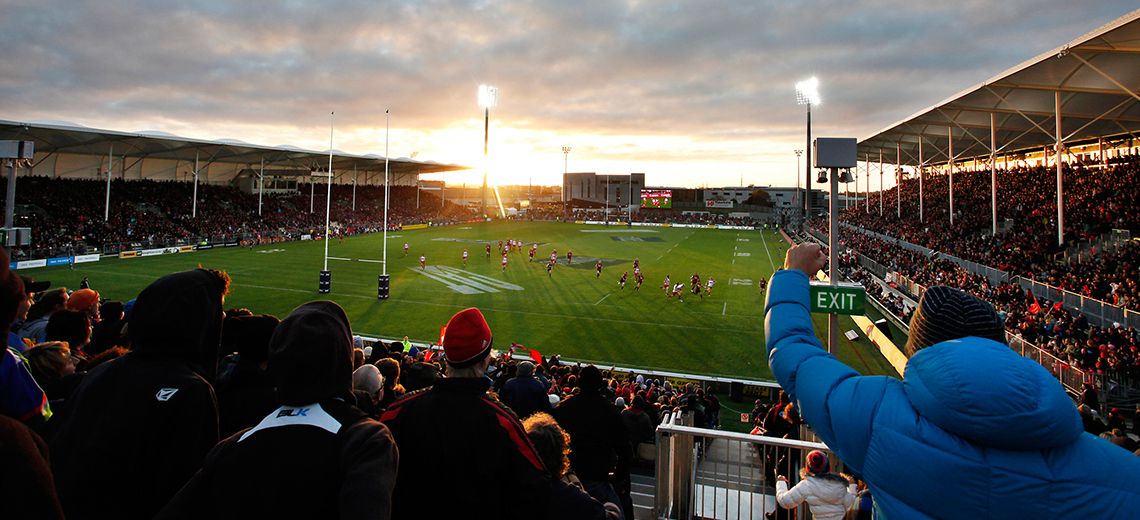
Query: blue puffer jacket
(972, 431)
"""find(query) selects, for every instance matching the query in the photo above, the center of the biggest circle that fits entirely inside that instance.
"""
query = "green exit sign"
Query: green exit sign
(845, 298)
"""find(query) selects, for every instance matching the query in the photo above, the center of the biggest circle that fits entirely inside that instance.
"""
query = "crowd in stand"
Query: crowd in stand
(65, 218)
(672, 216)
(1096, 202)
(1065, 334)
(164, 405)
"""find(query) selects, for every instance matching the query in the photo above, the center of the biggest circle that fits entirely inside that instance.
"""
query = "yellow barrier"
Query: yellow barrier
(128, 254)
(415, 226)
(186, 249)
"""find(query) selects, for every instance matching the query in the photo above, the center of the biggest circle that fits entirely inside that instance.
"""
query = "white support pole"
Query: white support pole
(921, 177)
(354, 188)
(260, 185)
(867, 199)
(898, 181)
(880, 182)
(312, 192)
(328, 196)
(950, 163)
(833, 255)
(1060, 180)
(107, 202)
(1100, 152)
(993, 170)
(387, 125)
(194, 204)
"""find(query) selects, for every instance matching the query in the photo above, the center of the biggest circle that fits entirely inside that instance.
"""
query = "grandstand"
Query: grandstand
(1019, 191)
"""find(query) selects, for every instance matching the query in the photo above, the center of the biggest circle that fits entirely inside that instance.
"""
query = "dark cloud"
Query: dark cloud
(712, 71)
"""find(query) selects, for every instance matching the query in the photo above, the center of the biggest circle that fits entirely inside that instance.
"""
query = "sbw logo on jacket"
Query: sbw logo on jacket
(164, 394)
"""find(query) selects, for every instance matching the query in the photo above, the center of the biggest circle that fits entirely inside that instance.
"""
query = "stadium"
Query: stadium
(642, 345)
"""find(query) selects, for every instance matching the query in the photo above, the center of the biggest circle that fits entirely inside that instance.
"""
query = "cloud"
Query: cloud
(713, 77)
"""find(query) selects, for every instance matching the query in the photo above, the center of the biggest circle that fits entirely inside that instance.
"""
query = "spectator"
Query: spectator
(993, 430)
(390, 371)
(85, 301)
(637, 423)
(568, 499)
(24, 304)
(599, 443)
(139, 426)
(524, 393)
(108, 332)
(368, 387)
(460, 438)
(827, 494)
(35, 328)
(71, 327)
(246, 394)
(51, 363)
(340, 464)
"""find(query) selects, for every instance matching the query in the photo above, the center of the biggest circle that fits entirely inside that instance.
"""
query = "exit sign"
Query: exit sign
(845, 298)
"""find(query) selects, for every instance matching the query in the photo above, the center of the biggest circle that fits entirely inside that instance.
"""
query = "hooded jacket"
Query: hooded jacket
(972, 431)
(829, 499)
(138, 427)
(316, 456)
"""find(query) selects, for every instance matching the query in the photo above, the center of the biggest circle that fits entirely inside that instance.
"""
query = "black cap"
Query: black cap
(32, 286)
(945, 313)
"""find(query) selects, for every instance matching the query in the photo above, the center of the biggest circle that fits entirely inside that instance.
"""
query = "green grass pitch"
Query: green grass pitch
(569, 312)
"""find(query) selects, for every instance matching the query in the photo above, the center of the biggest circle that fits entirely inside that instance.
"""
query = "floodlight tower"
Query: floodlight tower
(807, 93)
(488, 97)
(798, 154)
(565, 170)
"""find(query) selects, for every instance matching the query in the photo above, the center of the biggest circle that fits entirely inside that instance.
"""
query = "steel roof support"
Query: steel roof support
(1060, 180)
(993, 170)
(950, 163)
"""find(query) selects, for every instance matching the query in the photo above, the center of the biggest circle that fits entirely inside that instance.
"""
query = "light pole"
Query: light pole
(807, 93)
(798, 154)
(488, 97)
(565, 170)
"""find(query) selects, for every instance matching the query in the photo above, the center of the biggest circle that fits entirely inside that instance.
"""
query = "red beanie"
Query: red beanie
(467, 339)
(817, 463)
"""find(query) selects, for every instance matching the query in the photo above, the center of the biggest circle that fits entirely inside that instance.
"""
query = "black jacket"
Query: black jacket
(598, 440)
(138, 427)
(526, 396)
(472, 452)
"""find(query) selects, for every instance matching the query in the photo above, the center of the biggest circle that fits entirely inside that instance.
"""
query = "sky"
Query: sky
(691, 93)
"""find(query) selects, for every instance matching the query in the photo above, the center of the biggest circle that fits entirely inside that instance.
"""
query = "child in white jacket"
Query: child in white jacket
(828, 495)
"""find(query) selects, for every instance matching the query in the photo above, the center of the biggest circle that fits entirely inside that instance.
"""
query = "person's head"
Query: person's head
(945, 314)
(467, 344)
(310, 355)
(13, 298)
(619, 402)
(85, 301)
(51, 361)
(368, 379)
(590, 380)
(73, 327)
(390, 369)
(550, 441)
(249, 337)
(49, 302)
(357, 358)
(180, 315)
(111, 311)
(817, 463)
(525, 369)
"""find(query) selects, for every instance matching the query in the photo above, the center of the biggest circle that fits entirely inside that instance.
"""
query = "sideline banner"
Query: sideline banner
(59, 260)
(152, 252)
(415, 226)
(31, 264)
(185, 249)
(82, 259)
(128, 254)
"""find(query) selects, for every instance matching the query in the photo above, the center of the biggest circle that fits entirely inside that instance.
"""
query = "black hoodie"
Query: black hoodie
(138, 427)
(310, 355)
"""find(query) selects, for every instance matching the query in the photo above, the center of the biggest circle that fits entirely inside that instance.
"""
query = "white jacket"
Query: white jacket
(827, 499)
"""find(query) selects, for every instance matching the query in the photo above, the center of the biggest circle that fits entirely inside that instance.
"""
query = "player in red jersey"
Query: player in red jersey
(638, 279)
(531, 253)
(621, 281)
(423, 262)
(554, 256)
(598, 268)
(763, 285)
(569, 256)
(549, 268)
(636, 263)
(488, 250)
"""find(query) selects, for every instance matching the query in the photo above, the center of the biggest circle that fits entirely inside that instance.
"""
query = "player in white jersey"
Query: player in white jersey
(679, 291)
(465, 258)
(667, 285)
(423, 262)
(504, 262)
(709, 285)
(406, 246)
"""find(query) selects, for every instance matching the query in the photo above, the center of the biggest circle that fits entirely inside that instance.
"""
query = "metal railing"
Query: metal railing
(995, 276)
(1099, 313)
(716, 474)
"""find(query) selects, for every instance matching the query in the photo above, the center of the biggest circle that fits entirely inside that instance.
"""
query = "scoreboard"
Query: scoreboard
(657, 199)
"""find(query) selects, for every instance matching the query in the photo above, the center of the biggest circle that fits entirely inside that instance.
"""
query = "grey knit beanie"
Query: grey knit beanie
(945, 313)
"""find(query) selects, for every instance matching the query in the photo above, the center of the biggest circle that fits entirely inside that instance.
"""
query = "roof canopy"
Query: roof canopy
(1093, 81)
(53, 139)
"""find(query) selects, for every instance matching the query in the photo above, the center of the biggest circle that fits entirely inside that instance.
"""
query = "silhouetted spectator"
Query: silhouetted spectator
(568, 499)
(524, 393)
(246, 394)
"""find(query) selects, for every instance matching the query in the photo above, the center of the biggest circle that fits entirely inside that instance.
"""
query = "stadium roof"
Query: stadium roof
(1096, 76)
(58, 137)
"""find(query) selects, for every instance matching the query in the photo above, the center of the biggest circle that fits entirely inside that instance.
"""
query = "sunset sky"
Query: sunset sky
(690, 93)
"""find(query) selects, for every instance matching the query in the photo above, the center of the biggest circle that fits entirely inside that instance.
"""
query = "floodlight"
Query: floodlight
(822, 179)
(845, 176)
(488, 96)
(807, 91)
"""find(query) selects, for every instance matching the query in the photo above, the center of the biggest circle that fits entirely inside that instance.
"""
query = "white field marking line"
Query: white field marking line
(603, 298)
(370, 261)
(724, 309)
(670, 250)
(770, 261)
(463, 306)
